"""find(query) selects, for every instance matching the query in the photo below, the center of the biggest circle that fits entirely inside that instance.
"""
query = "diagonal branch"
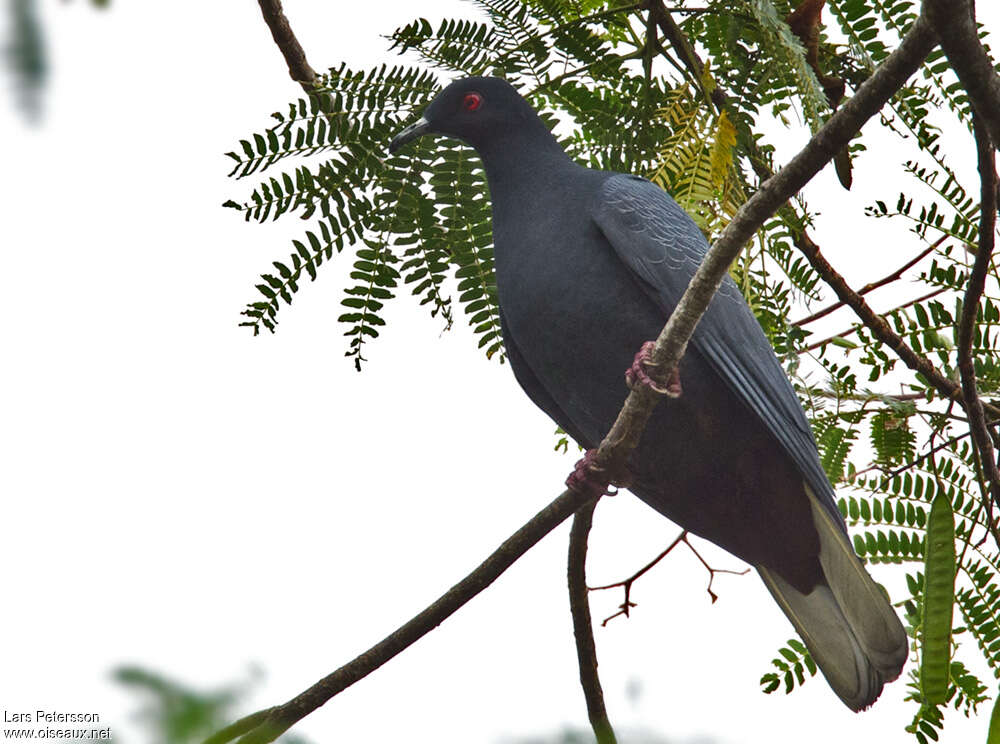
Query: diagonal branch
(853, 329)
(955, 26)
(280, 718)
(970, 308)
(888, 475)
(801, 239)
(583, 629)
(281, 31)
(771, 196)
(631, 421)
(872, 286)
(673, 34)
(626, 584)
(875, 322)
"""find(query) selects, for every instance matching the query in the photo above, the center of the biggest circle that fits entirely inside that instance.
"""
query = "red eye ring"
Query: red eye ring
(472, 101)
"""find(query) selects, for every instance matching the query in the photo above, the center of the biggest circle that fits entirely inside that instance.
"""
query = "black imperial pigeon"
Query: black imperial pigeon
(589, 265)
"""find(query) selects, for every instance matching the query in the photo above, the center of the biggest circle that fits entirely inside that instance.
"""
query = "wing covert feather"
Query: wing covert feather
(662, 245)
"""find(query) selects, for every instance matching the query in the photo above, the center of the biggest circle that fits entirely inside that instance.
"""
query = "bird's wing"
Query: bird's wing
(662, 245)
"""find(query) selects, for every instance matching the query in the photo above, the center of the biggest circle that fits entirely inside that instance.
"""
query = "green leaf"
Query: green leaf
(939, 598)
(994, 733)
(842, 342)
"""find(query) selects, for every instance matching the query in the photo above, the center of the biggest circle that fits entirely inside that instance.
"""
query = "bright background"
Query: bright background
(179, 494)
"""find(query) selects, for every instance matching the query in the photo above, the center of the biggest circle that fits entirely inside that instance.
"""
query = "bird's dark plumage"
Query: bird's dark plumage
(589, 266)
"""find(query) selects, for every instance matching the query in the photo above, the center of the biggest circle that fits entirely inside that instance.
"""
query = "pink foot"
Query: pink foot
(637, 375)
(592, 479)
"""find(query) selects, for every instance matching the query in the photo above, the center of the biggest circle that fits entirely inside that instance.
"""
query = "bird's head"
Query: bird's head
(474, 110)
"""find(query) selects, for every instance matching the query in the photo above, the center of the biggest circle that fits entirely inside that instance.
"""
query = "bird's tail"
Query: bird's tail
(848, 625)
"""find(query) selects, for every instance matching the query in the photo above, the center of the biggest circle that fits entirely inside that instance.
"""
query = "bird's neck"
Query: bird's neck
(523, 161)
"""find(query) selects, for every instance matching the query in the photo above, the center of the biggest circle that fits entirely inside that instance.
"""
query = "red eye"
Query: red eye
(472, 101)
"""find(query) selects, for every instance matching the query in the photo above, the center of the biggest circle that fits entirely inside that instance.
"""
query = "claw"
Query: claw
(637, 375)
(592, 479)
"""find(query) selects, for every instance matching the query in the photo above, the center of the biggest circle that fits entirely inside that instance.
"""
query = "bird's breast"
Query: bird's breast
(574, 311)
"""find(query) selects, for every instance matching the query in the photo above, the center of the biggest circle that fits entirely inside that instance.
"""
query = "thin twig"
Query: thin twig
(871, 287)
(583, 630)
(970, 308)
(281, 31)
(626, 584)
(686, 52)
(854, 329)
(868, 396)
(874, 322)
(955, 26)
(713, 571)
(916, 461)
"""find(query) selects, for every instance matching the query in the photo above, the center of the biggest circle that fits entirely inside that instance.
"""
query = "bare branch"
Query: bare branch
(872, 286)
(970, 308)
(280, 718)
(627, 604)
(281, 31)
(874, 322)
(712, 571)
(854, 329)
(869, 396)
(954, 24)
(583, 631)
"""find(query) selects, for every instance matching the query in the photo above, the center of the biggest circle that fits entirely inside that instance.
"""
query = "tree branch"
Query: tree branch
(874, 322)
(673, 34)
(281, 31)
(921, 40)
(954, 24)
(854, 329)
(626, 584)
(583, 630)
(771, 195)
(872, 286)
(970, 308)
(890, 474)
(280, 718)
(631, 421)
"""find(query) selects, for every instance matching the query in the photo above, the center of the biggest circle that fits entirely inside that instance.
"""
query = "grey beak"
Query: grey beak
(419, 127)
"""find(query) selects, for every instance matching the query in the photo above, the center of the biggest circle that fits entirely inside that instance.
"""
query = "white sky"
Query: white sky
(179, 494)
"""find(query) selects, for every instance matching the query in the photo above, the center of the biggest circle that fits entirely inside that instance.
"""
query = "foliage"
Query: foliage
(26, 54)
(175, 713)
(621, 98)
(792, 662)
